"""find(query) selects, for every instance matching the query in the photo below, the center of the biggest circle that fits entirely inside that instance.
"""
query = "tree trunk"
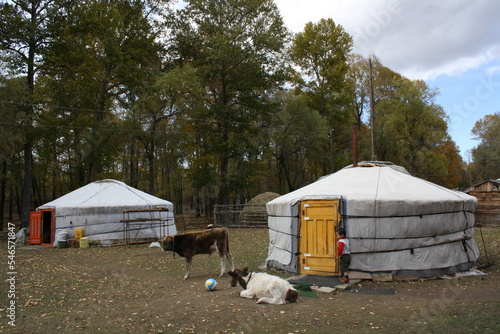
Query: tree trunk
(3, 190)
(26, 192)
(224, 175)
(151, 158)
(133, 166)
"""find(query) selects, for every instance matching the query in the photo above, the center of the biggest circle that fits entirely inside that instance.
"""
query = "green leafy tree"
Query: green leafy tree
(486, 155)
(23, 39)
(358, 86)
(409, 125)
(97, 69)
(453, 167)
(236, 47)
(297, 143)
(159, 105)
(410, 128)
(321, 52)
(13, 97)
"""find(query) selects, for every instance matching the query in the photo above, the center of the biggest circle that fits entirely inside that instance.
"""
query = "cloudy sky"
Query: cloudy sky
(454, 45)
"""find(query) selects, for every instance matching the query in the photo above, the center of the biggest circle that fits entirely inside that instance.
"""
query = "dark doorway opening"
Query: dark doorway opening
(47, 227)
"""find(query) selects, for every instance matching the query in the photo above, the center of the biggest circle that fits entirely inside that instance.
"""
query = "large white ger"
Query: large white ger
(396, 223)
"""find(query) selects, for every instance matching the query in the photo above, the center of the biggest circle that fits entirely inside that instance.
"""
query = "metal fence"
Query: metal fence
(240, 215)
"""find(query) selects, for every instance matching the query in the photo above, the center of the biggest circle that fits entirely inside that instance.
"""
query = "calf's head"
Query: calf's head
(167, 244)
(291, 296)
(237, 277)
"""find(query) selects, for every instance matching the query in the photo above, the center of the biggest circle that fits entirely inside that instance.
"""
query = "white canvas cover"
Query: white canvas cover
(98, 209)
(395, 222)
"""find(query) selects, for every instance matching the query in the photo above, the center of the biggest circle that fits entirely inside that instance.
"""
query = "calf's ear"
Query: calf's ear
(245, 269)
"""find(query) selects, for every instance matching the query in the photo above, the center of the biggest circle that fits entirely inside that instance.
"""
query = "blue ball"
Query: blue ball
(211, 284)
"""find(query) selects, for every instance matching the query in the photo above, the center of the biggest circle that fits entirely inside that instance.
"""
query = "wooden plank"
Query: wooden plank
(73, 243)
(485, 193)
(488, 208)
(399, 278)
(359, 275)
(382, 277)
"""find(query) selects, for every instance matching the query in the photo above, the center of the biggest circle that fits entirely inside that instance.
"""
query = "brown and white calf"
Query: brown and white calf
(203, 242)
(265, 288)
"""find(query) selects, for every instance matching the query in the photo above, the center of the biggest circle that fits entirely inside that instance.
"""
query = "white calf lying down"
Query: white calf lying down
(266, 288)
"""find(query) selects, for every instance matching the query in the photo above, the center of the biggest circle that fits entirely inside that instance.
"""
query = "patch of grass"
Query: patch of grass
(459, 318)
(248, 246)
(488, 242)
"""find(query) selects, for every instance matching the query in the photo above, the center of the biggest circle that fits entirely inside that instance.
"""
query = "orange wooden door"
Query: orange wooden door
(35, 228)
(318, 242)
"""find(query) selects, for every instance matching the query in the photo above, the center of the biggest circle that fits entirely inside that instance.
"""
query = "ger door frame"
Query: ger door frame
(319, 221)
(42, 227)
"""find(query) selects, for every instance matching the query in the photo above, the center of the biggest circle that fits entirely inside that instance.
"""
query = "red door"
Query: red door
(35, 228)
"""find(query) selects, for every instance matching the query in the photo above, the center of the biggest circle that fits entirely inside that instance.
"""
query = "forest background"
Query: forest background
(210, 103)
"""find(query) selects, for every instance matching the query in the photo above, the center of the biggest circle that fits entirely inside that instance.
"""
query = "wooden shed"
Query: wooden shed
(488, 209)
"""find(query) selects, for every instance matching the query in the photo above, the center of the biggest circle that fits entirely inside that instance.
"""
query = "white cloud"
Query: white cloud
(453, 44)
(492, 70)
(419, 39)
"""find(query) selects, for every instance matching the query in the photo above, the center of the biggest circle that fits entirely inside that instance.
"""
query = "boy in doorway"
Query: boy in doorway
(344, 254)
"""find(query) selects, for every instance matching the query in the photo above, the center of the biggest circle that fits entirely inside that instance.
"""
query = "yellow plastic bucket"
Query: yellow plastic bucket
(84, 243)
(78, 232)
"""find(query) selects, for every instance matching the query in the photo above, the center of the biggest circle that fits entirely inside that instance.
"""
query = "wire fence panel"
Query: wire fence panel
(240, 215)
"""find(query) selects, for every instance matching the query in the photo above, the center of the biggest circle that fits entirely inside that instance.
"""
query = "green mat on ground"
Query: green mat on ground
(305, 290)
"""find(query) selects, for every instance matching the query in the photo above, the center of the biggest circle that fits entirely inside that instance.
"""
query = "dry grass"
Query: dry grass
(140, 290)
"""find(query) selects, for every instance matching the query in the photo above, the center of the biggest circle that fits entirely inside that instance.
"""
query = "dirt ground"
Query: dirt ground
(139, 289)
